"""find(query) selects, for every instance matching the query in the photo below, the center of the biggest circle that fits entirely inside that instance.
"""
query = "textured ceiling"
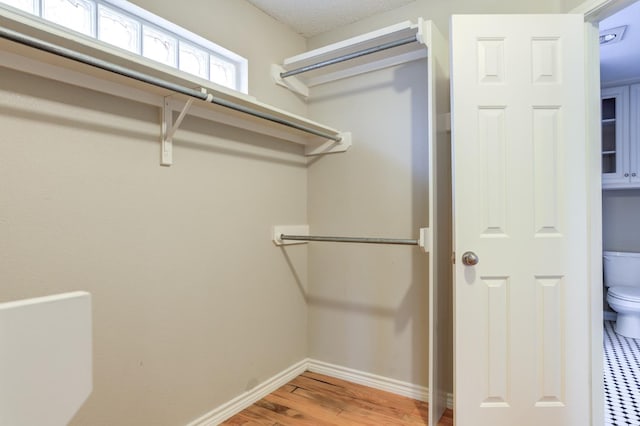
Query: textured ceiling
(621, 61)
(311, 17)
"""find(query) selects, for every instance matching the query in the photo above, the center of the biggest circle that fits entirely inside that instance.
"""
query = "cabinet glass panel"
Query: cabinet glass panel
(609, 109)
(608, 163)
(609, 135)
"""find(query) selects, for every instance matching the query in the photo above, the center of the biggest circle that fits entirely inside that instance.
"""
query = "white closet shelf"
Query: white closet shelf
(370, 41)
(27, 59)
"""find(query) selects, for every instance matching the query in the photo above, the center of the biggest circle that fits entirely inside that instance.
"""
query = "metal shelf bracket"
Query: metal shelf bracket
(169, 128)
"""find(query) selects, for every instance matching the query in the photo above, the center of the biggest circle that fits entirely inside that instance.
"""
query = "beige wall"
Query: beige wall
(368, 305)
(620, 225)
(193, 304)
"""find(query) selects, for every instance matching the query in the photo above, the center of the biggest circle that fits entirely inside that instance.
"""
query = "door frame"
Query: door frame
(595, 11)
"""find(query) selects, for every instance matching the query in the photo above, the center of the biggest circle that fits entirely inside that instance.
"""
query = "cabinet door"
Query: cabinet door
(615, 137)
(634, 135)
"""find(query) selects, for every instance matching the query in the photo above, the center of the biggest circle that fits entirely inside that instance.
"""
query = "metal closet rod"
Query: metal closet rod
(145, 78)
(365, 240)
(349, 56)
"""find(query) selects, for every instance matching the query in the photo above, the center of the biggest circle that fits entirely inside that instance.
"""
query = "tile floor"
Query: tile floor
(621, 378)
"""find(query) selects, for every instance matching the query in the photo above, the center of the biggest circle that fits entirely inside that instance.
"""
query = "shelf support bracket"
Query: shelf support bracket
(420, 34)
(329, 146)
(291, 83)
(169, 129)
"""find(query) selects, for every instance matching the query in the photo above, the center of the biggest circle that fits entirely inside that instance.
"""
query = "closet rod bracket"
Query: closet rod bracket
(292, 83)
(426, 239)
(169, 128)
(279, 230)
(329, 146)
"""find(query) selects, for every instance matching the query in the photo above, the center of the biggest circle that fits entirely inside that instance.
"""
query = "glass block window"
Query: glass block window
(28, 6)
(77, 15)
(193, 60)
(160, 46)
(222, 70)
(126, 26)
(118, 29)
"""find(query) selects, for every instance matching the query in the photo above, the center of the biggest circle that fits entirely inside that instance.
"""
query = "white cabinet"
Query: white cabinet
(634, 135)
(615, 137)
(621, 137)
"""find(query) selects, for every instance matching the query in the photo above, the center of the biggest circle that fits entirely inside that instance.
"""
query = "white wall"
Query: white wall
(193, 304)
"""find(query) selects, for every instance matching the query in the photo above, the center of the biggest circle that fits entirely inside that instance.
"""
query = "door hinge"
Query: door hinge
(453, 258)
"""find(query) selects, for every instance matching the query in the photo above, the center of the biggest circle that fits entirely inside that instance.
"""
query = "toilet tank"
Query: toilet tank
(621, 268)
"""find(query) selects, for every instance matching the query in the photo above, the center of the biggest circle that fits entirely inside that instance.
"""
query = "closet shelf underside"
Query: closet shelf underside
(366, 63)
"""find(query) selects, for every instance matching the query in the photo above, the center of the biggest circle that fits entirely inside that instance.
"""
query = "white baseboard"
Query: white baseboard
(410, 390)
(239, 403)
(398, 387)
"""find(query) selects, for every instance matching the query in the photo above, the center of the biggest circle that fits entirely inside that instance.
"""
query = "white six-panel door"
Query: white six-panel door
(522, 346)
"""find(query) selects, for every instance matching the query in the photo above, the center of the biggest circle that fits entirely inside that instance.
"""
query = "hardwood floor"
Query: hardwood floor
(315, 399)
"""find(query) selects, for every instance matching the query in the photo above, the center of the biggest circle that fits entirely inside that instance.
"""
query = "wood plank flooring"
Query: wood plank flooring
(315, 399)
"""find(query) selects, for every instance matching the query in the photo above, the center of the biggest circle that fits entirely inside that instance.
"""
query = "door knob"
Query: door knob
(469, 258)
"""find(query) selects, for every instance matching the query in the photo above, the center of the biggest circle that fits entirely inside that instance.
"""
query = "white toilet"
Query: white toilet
(622, 277)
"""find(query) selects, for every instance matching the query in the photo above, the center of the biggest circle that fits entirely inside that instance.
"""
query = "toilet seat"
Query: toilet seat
(626, 293)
